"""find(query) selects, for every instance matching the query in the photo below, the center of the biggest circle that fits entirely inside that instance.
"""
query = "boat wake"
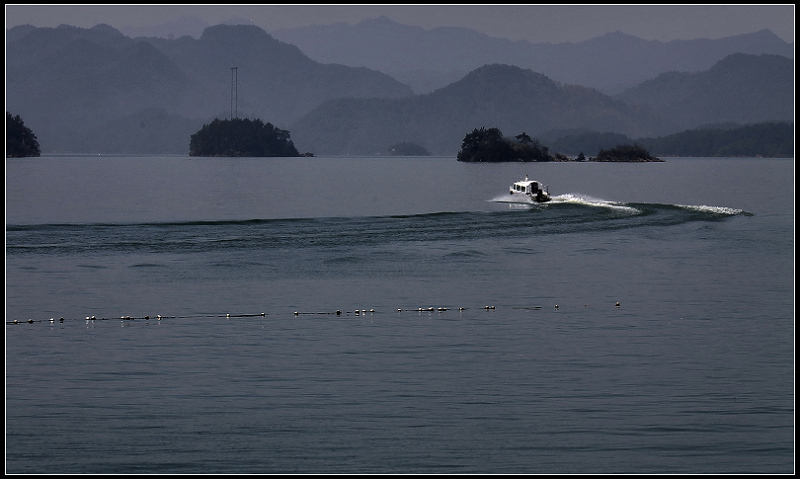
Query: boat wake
(563, 214)
(567, 199)
(517, 202)
(574, 199)
(716, 210)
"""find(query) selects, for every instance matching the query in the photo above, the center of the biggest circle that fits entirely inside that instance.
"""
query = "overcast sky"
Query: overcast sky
(535, 23)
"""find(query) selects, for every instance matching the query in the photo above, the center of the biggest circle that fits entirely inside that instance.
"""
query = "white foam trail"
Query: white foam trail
(578, 199)
(571, 198)
(567, 199)
(719, 210)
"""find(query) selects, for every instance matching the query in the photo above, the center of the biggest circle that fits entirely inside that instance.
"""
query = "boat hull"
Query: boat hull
(528, 198)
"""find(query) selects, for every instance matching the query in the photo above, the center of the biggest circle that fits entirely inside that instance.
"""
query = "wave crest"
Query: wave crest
(717, 210)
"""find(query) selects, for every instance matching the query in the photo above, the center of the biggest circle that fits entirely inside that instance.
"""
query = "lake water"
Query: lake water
(329, 315)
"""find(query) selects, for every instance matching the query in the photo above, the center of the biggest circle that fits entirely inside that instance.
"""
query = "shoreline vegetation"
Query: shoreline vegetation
(488, 145)
(241, 137)
(771, 139)
(21, 142)
(254, 138)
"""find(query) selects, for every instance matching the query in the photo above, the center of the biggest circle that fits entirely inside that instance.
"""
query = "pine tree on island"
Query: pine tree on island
(20, 140)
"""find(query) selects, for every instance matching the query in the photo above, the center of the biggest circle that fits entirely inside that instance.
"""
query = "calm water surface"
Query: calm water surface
(329, 315)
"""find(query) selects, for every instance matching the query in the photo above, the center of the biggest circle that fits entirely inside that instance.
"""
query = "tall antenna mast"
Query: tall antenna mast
(235, 91)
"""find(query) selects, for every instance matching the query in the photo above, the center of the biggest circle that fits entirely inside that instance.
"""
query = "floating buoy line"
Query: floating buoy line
(157, 317)
(355, 312)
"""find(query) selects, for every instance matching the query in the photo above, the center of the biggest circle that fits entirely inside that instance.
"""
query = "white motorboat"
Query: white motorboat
(530, 189)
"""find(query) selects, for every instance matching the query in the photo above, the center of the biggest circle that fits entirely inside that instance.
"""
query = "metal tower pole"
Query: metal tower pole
(234, 92)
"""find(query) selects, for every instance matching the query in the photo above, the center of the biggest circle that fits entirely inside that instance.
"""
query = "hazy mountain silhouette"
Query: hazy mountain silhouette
(67, 81)
(510, 98)
(184, 26)
(97, 90)
(275, 79)
(739, 89)
(70, 83)
(429, 59)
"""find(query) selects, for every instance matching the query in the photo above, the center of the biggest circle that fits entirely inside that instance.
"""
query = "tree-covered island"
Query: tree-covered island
(489, 145)
(241, 138)
(20, 140)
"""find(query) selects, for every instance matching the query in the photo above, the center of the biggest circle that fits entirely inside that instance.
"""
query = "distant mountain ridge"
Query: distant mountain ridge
(739, 88)
(70, 83)
(507, 97)
(430, 59)
(97, 90)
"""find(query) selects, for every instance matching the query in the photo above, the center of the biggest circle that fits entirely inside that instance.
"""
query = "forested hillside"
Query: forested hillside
(768, 139)
(503, 96)
(740, 88)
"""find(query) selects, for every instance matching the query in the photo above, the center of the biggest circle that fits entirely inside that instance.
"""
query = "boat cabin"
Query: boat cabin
(531, 189)
(526, 187)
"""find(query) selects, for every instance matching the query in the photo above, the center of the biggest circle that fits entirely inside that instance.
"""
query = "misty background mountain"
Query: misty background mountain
(430, 59)
(98, 90)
